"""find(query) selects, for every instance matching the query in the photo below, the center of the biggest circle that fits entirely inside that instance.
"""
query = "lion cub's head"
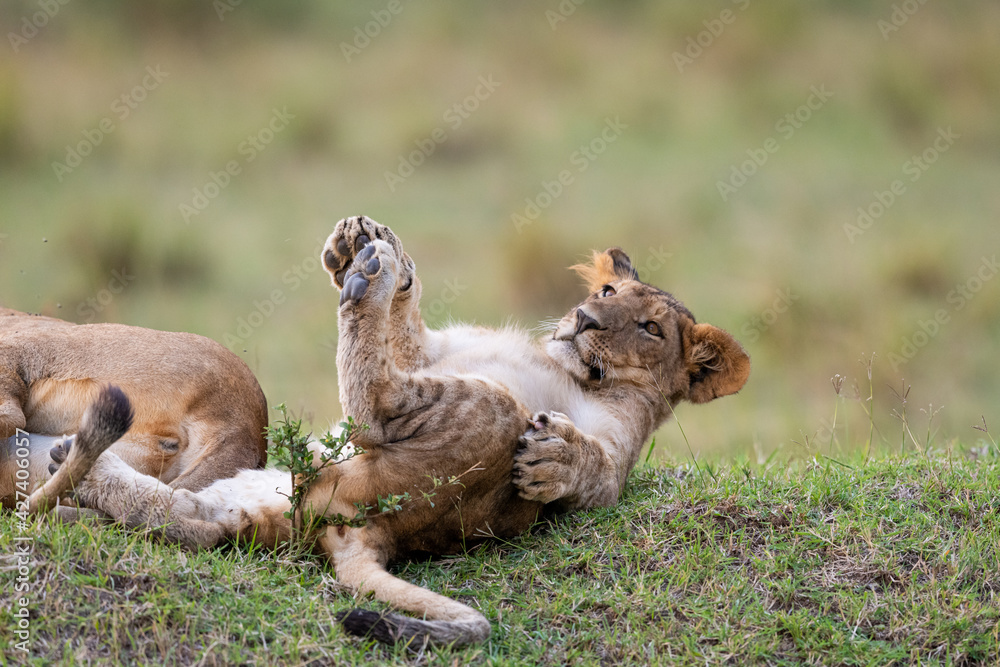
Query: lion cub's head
(629, 332)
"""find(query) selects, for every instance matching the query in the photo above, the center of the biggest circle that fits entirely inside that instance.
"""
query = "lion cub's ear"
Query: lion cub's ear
(608, 266)
(716, 362)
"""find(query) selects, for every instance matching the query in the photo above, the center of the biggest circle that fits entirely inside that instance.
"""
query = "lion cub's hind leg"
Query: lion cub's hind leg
(368, 373)
(247, 508)
(13, 392)
(407, 333)
(103, 423)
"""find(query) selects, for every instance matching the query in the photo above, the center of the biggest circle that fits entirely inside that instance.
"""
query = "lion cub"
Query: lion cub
(199, 413)
(560, 421)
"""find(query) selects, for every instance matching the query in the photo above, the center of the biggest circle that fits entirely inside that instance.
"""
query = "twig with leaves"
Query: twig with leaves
(290, 449)
(398, 502)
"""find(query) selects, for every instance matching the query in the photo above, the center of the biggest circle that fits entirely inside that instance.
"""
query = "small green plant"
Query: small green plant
(985, 429)
(900, 414)
(397, 502)
(838, 382)
(868, 405)
(290, 449)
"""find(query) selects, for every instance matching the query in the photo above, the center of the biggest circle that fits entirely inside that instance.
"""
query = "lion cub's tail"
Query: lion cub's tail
(104, 422)
(444, 621)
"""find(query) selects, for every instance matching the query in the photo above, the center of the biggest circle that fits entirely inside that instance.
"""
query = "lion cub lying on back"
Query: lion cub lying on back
(561, 421)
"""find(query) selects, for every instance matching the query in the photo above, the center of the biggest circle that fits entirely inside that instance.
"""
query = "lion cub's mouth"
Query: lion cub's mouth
(595, 370)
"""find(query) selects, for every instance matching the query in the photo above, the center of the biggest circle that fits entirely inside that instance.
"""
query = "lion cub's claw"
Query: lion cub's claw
(544, 464)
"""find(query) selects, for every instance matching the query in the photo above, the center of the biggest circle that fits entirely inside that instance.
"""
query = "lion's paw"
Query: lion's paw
(375, 265)
(350, 238)
(59, 452)
(548, 455)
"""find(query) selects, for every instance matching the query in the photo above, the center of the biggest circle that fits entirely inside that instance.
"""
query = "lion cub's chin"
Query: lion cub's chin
(564, 353)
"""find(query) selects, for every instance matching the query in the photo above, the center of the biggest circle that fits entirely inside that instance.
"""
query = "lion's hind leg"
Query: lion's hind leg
(104, 422)
(247, 507)
(407, 333)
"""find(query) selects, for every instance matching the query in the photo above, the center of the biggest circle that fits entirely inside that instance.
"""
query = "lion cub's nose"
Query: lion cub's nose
(584, 322)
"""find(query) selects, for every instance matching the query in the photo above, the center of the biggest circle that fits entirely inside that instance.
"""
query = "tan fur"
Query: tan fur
(523, 423)
(199, 411)
(106, 420)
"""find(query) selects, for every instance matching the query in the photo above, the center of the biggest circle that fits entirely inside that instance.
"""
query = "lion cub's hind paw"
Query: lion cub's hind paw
(350, 238)
(374, 263)
(59, 452)
(332, 261)
(358, 276)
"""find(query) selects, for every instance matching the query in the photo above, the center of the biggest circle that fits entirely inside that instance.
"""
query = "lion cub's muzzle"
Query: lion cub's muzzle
(569, 328)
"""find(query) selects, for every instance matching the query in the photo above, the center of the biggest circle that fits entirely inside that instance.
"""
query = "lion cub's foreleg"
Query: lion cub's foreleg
(406, 332)
(556, 461)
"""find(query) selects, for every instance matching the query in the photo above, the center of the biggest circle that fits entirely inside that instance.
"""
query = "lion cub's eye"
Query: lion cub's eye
(608, 291)
(652, 328)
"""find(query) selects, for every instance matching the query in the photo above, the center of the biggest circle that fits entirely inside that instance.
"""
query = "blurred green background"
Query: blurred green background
(822, 179)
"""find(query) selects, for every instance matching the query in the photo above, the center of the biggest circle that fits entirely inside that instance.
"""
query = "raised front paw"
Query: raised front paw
(547, 459)
(372, 274)
(349, 239)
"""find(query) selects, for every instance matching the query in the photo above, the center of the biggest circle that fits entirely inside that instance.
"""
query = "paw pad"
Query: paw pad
(58, 454)
(354, 288)
(366, 253)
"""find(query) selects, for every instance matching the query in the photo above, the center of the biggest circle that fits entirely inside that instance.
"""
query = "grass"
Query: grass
(890, 561)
